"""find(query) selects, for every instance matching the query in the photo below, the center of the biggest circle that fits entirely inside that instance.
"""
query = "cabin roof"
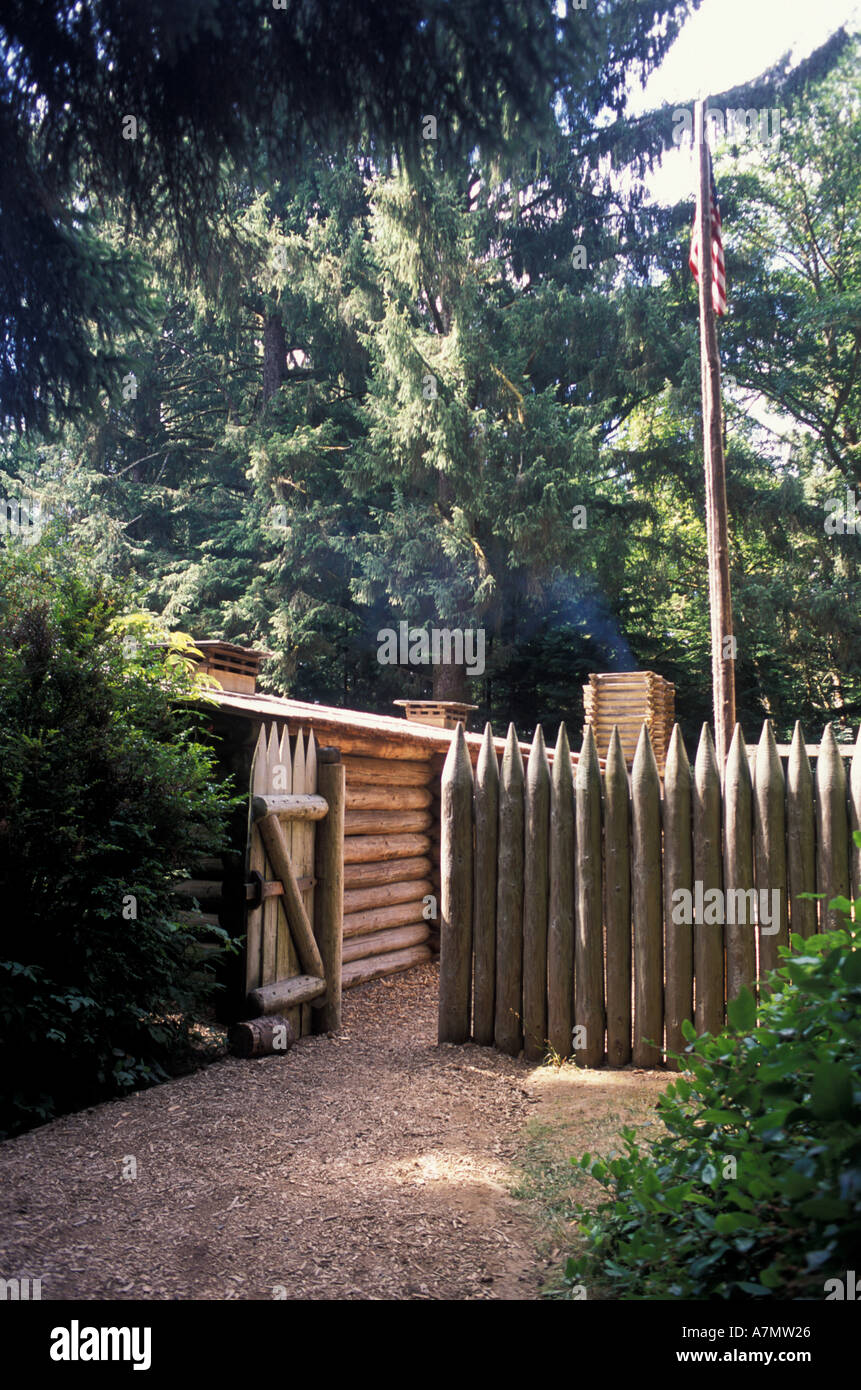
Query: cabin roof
(329, 720)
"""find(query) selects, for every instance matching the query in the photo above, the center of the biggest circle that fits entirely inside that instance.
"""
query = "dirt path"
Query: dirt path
(374, 1165)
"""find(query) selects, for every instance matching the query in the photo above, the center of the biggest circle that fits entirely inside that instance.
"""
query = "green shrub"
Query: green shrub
(754, 1188)
(106, 792)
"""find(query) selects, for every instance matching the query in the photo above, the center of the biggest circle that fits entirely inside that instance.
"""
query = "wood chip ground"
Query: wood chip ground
(372, 1165)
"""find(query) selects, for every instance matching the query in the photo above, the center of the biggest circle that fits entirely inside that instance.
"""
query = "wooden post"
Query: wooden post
(329, 895)
(708, 931)
(535, 900)
(304, 835)
(648, 908)
(678, 878)
(588, 932)
(560, 926)
(723, 646)
(275, 929)
(287, 775)
(484, 894)
(256, 864)
(855, 817)
(832, 870)
(800, 837)
(617, 903)
(738, 870)
(770, 834)
(455, 960)
(509, 901)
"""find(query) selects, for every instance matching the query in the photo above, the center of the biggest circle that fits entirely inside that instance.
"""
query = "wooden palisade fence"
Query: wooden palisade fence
(591, 915)
(294, 923)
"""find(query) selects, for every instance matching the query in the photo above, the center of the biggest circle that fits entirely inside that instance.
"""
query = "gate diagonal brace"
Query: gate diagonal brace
(303, 936)
(258, 889)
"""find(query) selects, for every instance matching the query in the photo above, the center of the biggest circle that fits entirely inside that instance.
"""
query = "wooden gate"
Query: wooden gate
(294, 917)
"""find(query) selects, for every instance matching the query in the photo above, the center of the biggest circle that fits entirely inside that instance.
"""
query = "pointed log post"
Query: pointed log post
(800, 837)
(617, 903)
(770, 838)
(256, 864)
(588, 921)
(287, 776)
(678, 879)
(708, 931)
(484, 894)
(648, 907)
(855, 816)
(455, 961)
(329, 893)
(560, 926)
(509, 901)
(832, 867)
(535, 899)
(274, 921)
(738, 869)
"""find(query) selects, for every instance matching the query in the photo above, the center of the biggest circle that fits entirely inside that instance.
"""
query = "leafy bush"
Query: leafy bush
(754, 1188)
(106, 792)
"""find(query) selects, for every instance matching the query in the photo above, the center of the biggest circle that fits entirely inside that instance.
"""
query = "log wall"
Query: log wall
(391, 859)
(593, 915)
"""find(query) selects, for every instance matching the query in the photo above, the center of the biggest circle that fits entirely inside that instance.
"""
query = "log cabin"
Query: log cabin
(393, 769)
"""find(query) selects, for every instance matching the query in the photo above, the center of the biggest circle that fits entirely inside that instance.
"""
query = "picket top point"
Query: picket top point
(737, 777)
(799, 773)
(615, 771)
(487, 766)
(644, 772)
(768, 766)
(538, 768)
(512, 761)
(260, 767)
(588, 766)
(677, 768)
(458, 765)
(563, 772)
(829, 764)
(283, 756)
(705, 766)
(273, 747)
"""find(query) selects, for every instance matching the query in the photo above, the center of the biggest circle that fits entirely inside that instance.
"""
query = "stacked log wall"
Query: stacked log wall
(391, 860)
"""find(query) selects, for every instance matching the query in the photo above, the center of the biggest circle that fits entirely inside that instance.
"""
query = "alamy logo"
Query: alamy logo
(736, 906)
(760, 125)
(839, 1289)
(21, 518)
(842, 520)
(415, 646)
(20, 1290)
(76, 1343)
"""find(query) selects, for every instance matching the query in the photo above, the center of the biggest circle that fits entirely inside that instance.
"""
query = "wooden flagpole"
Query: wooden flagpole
(717, 531)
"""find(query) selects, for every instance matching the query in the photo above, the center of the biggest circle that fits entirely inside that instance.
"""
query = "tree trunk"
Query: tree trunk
(274, 355)
(449, 683)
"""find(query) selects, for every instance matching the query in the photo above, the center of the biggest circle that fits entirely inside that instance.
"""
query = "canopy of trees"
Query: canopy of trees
(334, 365)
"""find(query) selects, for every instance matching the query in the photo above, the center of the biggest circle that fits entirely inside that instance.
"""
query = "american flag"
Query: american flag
(718, 267)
